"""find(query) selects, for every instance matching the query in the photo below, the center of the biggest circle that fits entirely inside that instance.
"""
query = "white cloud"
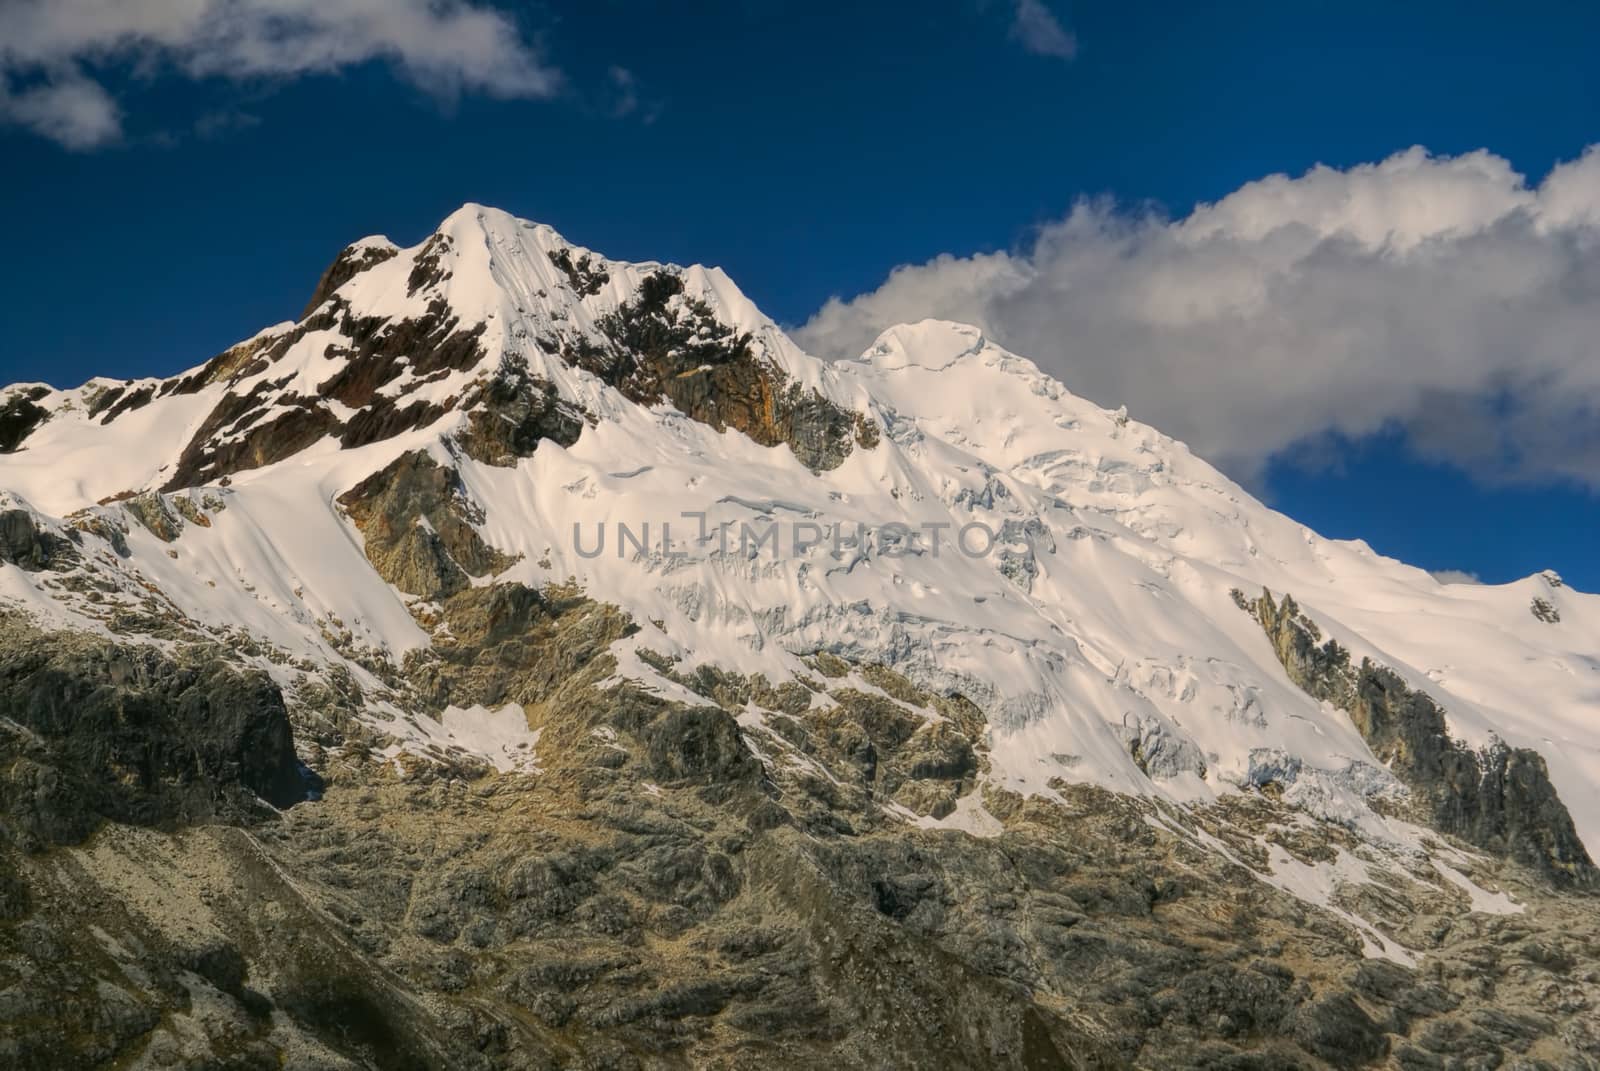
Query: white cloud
(627, 92)
(49, 49)
(72, 110)
(1456, 576)
(1040, 32)
(1442, 296)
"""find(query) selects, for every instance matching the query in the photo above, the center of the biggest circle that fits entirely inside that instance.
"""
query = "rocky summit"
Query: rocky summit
(527, 659)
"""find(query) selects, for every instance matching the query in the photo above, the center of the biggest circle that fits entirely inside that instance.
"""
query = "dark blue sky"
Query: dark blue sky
(807, 148)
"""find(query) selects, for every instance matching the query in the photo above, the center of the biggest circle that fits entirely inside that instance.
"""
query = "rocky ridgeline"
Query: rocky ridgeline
(665, 346)
(662, 346)
(1497, 798)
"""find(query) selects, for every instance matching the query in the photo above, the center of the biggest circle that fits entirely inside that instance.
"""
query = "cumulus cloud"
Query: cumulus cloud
(51, 49)
(1444, 297)
(1037, 29)
(72, 110)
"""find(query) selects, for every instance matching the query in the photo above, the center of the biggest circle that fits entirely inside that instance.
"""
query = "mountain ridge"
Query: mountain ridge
(388, 509)
(412, 352)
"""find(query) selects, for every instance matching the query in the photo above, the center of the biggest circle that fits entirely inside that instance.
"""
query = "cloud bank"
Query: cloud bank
(51, 49)
(1441, 296)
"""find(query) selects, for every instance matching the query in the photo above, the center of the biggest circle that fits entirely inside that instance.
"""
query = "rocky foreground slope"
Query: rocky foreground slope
(528, 659)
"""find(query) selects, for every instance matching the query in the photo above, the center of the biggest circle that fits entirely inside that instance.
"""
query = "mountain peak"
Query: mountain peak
(396, 341)
(445, 414)
(473, 217)
(926, 343)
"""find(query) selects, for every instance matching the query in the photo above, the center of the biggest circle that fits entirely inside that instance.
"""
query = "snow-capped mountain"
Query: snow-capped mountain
(1102, 616)
(937, 526)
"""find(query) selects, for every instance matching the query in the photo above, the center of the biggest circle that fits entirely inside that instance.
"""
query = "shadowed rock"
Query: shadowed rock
(25, 544)
(97, 730)
(20, 414)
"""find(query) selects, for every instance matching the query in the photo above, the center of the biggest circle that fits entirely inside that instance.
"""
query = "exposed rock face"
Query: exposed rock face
(231, 439)
(655, 897)
(1499, 798)
(351, 261)
(20, 414)
(235, 436)
(245, 359)
(586, 276)
(25, 544)
(107, 403)
(507, 643)
(418, 527)
(513, 413)
(666, 346)
(428, 270)
(382, 350)
(96, 731)
(879, 748)
(152, 511)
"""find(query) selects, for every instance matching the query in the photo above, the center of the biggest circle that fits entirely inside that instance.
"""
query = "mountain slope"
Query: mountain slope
(500, 507)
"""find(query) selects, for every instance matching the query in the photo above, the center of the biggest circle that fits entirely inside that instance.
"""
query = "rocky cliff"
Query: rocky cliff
(1496, 797)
